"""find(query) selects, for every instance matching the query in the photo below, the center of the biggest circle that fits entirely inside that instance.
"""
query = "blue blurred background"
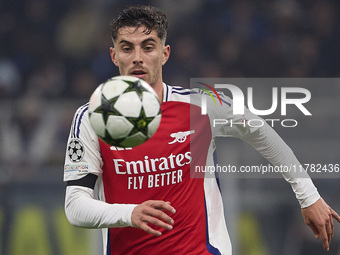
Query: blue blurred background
(53, 54)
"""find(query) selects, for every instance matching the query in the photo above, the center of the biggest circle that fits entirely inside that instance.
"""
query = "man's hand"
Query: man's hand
(319, 217)
(151, 211)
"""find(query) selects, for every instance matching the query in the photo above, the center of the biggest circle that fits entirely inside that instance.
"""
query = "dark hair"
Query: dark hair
(139, 15)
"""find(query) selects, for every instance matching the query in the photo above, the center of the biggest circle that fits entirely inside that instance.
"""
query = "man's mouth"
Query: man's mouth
(138, 73)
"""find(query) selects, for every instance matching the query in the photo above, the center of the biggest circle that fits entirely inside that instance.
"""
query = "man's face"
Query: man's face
(139, 54)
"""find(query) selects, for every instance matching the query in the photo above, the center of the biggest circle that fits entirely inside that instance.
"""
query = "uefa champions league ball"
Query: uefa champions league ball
(124, 111)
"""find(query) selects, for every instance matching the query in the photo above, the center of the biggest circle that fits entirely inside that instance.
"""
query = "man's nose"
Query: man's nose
(137, 58)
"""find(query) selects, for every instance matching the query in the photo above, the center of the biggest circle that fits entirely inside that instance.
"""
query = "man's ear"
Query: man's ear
(166, 54)
(113, 55)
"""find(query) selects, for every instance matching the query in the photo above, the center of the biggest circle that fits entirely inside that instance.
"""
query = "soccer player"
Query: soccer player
(148, 201)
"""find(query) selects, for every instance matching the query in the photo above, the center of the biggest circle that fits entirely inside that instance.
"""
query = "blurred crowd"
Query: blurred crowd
(60, 48)
(55, 53)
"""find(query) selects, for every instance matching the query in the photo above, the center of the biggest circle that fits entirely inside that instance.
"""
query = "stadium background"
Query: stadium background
(54, 53)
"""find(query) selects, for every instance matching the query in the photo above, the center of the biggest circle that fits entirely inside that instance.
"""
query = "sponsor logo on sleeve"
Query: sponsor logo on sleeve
(76, 168)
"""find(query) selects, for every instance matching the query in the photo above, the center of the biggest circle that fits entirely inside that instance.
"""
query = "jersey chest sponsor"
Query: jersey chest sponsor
(148, 165)
(153, 172)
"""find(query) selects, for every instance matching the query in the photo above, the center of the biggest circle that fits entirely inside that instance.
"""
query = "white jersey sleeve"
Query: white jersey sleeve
(83, 157)
(82, 210)
(266, 141)
(82, 152)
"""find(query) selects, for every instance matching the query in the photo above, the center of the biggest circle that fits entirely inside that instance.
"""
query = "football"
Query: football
(124, 111)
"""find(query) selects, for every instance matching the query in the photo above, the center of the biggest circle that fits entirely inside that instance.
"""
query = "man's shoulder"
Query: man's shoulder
(80, 120)
(83, 108)
(178, 93)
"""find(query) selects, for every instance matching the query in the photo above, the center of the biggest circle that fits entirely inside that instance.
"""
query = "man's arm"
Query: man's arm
(316, 213)
(82, 210)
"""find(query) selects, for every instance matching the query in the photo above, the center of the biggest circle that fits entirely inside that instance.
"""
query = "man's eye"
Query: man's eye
(148, 48)
(126, 49)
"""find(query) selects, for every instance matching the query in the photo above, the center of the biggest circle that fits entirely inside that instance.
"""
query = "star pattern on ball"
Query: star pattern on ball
(124, 112)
